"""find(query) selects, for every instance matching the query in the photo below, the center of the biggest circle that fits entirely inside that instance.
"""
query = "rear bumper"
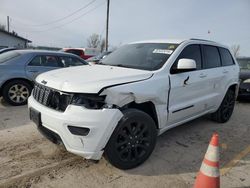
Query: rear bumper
(101, 124)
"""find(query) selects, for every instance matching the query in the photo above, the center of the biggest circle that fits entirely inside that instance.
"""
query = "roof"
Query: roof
(14, 35)
(79, 48)
(44, 52)
(173, 41)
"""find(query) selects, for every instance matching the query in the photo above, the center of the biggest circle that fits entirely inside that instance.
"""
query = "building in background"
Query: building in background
(12, 40)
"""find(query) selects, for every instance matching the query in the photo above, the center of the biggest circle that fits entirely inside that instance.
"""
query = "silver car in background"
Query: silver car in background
(19, 68)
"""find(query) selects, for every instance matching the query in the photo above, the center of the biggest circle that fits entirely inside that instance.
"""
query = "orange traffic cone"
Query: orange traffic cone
(209, 175)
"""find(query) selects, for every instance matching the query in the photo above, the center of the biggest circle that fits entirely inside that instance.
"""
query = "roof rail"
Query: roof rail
(202, 40)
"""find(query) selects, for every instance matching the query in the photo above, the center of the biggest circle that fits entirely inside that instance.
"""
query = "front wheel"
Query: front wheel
(17, 92)
(226, 108)
(133, 140)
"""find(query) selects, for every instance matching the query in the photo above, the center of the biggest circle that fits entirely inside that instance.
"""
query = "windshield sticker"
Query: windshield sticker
(162, 51)
(171, 47)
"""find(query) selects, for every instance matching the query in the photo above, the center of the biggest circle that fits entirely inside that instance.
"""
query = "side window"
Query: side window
(71, 61)
(46, 61)
(51, 61)
(190, 52)
(211, 57)
(226, 57)
(36, 61)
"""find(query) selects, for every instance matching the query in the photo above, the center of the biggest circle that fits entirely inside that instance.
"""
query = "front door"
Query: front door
(190, 89)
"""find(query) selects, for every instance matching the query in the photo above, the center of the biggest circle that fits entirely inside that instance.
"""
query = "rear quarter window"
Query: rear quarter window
(8, 56)
(226, 57)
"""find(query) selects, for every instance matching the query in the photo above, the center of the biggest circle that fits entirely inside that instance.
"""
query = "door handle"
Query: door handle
(203, 75)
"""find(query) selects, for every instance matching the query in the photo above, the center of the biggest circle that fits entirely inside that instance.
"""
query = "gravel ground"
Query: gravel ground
(29, 160)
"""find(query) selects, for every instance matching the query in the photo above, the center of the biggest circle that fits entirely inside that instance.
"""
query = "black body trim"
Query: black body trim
(183, 108)
(50, 135)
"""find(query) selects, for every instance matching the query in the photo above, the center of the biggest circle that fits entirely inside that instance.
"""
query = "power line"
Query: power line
(65, 17)
(59, 26)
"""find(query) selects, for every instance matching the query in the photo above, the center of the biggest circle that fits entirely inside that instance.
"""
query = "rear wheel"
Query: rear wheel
(17, 92)
(226, 108)
(132, 141)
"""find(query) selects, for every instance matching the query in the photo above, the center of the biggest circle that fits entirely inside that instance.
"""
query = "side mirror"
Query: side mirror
(186, 65)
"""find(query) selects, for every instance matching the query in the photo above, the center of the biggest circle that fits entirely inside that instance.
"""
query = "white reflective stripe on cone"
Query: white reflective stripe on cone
(209, 170)
(212, 153)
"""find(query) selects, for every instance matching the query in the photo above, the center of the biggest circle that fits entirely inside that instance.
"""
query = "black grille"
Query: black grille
(51, 98)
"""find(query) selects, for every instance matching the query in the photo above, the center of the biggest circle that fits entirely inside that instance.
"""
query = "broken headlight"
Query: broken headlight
(90, 101)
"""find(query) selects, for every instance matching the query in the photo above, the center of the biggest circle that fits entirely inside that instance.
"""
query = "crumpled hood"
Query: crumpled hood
(90, 78)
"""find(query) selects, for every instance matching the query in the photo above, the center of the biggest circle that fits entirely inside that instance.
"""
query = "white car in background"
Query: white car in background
(136, 93)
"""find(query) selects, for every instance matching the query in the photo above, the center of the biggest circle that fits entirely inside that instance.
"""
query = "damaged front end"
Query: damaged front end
(91, 101)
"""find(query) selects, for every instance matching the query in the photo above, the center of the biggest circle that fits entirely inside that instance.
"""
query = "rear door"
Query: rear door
(42, 63)
(189, 90)
(215, 76)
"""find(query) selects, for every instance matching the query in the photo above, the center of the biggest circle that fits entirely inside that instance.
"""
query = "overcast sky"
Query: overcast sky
(228, 21)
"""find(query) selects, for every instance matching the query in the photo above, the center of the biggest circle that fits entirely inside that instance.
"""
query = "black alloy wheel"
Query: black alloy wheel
(226, 108)
(132, 141)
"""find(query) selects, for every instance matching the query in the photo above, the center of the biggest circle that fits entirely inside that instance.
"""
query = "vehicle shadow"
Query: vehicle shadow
(243, 99)
(179, 150)
(3, 103)
(12, 116)
(182, 149)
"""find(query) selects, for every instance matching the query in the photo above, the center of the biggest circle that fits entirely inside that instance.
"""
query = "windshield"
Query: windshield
(145, 56)
(100, 56)
(244, 63)
(8, 56)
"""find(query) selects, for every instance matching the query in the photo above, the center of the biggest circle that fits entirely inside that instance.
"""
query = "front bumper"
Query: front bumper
(1, 84)
(100, 122)
(244, 90)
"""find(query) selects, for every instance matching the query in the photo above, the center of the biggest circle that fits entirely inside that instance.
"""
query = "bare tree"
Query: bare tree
(2, 27)
(94, 41)
(236, 50)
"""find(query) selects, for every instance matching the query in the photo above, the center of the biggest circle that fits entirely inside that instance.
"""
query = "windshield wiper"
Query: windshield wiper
(101, 63)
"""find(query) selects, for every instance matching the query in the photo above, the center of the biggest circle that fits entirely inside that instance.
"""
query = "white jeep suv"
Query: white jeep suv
(139, 91)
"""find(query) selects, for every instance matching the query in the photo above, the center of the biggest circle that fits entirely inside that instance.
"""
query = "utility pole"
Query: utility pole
(8, 23)
(107, 27)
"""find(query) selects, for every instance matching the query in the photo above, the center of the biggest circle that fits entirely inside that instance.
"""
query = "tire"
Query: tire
(132, 141)
(16, 92)
(226, 108)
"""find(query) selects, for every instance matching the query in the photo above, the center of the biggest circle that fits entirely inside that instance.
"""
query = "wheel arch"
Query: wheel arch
(234, 87)
(147, 107)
